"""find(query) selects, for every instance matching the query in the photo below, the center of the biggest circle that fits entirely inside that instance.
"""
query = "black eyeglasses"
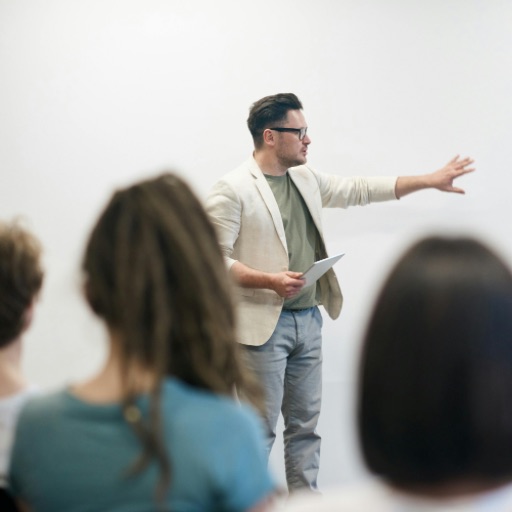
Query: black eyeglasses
(301, 132)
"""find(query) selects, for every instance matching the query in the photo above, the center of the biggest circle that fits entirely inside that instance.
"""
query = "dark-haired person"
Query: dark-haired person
(157, 428)
(268, 218)
(435, 386)
(21, 278)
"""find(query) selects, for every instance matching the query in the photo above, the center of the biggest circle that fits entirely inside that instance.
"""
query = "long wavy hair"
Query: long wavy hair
(155, 274)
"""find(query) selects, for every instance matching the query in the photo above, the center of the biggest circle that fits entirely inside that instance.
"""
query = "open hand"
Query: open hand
(443, 178)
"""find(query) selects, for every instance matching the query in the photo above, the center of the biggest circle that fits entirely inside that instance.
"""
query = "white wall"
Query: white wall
(96, 93)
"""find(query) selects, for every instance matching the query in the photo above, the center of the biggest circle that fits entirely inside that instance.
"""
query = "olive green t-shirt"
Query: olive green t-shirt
(301, 235)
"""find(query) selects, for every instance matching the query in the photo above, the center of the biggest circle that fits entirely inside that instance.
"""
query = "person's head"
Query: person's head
(21, 278)
(276, 121)
(155, 274)
(435, 388)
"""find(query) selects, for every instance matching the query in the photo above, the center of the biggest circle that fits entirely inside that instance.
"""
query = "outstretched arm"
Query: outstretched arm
(441, 179)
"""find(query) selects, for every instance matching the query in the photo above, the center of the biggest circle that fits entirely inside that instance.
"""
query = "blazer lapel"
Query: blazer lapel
(270, 202)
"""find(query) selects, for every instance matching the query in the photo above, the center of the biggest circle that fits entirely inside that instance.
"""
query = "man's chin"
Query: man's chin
(300, 161)
(295, 163)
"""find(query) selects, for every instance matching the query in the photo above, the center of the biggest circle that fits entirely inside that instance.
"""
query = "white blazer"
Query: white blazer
(250, 230)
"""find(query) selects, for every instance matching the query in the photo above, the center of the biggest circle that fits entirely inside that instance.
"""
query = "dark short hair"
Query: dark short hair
(435, 385)
(21, 277)
(269, 111)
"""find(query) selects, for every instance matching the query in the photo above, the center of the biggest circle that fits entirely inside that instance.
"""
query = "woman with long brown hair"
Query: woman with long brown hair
(157, 428)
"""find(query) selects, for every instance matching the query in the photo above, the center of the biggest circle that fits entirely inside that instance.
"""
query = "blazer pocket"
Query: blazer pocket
(257, 296)
(246, 292)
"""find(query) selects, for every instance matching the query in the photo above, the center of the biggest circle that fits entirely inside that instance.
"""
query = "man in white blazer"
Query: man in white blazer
(267, 213)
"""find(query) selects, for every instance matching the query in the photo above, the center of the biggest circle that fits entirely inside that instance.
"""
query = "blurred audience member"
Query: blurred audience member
(435, 388)
(157, 428)
(21, 277)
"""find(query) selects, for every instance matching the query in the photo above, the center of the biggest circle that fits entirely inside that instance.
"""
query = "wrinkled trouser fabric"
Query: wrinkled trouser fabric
(289, 367)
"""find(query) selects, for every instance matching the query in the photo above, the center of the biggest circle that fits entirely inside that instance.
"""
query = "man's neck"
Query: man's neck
(268, 164)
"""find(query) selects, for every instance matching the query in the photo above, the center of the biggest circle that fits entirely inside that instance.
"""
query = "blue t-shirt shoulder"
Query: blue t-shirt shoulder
(72, 455)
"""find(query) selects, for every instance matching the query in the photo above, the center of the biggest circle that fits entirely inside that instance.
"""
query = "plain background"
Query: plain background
(97, 93)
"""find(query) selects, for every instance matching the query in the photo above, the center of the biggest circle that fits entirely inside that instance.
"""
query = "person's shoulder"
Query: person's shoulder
(10, 406)
(303, 171)
(184, 394)
(241, 173)
(43, 405)
(235, 186)
(21, 396)
(190, 401)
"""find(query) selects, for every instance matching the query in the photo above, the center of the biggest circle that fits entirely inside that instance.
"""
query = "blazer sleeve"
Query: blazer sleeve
(342, 192)
(224, 207)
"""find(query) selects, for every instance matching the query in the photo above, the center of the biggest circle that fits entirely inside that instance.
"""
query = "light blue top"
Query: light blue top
(71, 455)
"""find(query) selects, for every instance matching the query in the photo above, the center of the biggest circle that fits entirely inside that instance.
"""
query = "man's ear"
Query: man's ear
(268, 137)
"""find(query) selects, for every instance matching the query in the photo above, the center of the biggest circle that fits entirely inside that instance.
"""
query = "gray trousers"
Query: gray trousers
(289, 367)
